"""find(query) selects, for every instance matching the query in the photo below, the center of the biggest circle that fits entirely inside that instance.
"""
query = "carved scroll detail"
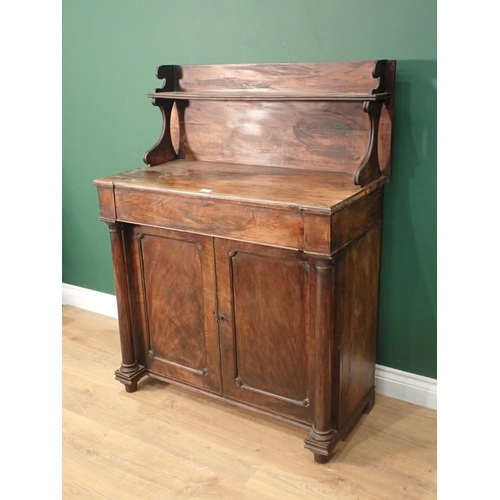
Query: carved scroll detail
(379, 71)
(167, 73)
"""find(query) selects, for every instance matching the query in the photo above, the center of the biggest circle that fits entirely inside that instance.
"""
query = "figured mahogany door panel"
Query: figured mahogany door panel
(263, 303)
(179, 328)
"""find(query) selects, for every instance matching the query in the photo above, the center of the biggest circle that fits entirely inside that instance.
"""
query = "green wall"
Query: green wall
(111, 50)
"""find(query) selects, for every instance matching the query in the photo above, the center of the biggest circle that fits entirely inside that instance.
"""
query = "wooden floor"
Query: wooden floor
(164, 442)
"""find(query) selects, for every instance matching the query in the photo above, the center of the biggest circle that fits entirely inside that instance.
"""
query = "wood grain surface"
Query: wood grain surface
(247, 183)
(330, 136)
(163, 442)
(335, 76)
(249, 232)
(263, 298)
(332, 116)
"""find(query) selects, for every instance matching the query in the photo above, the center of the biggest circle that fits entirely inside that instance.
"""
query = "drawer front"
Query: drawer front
(223, 218)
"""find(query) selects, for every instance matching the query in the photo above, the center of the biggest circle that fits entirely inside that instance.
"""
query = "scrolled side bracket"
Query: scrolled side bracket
(369, 169)
(163, 151)
(377, 160)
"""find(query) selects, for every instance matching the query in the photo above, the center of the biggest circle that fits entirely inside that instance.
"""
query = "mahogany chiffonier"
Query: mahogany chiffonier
(246, 252)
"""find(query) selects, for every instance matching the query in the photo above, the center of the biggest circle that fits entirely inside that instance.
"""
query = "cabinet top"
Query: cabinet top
(312, 190)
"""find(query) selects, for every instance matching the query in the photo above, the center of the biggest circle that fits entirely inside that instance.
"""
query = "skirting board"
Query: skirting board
(388, 381)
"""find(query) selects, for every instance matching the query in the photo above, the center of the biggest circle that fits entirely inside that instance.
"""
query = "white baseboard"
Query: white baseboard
(406, 386)
(90, 300)
(388, 381)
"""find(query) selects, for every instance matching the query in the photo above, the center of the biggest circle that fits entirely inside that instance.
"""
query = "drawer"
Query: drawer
(275, 226)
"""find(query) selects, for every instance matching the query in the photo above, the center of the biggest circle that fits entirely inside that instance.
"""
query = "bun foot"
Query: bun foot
(131, 388)
(321, 459)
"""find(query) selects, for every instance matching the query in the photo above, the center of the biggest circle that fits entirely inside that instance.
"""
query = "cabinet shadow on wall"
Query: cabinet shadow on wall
(408, 295)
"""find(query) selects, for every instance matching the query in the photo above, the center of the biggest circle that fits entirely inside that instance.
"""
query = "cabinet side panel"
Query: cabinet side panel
(358, 319)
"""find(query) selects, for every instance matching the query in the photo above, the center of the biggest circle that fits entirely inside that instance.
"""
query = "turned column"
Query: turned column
(322, 435)
(130, 371)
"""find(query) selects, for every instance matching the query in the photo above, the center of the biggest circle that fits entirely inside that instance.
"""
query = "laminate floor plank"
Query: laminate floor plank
(169, 432)
(166, 442)
(117, 459)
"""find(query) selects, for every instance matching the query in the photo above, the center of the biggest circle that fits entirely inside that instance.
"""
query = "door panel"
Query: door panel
(177, 288)
(263, 300)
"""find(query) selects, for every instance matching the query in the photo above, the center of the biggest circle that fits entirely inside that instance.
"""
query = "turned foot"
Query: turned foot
(321, 459)
(131, 387)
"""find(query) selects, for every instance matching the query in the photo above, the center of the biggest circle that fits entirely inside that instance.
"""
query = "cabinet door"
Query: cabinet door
(266, 348)
(176, 303)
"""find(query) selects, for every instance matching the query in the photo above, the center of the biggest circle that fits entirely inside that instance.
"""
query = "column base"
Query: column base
(130, 379)
(321, 444)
